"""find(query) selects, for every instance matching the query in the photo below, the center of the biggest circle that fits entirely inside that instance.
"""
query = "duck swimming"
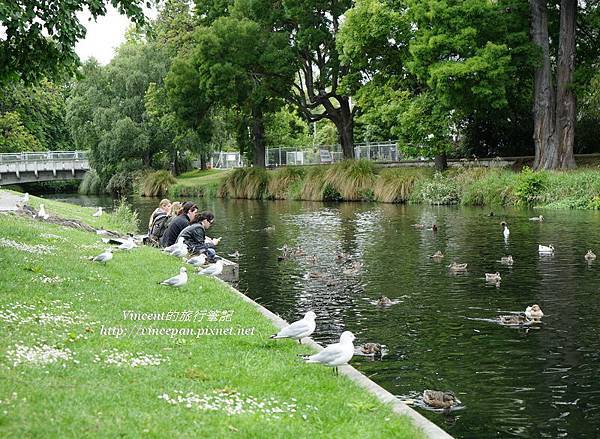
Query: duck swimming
(440, 400)
(537, 218)
(546, 249)
(384, 301)
(505, 230)
(514, 320)
(534, 312)
(369, 350)
(455, 266)
(507, 260)
(437, 255)
(590, 256)
(492, 277)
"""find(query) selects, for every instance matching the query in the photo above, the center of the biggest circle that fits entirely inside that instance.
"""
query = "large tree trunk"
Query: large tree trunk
(440, 162)
(565, 97)
(203, 160)
(258, 138)
(343, 119)
(544, 116)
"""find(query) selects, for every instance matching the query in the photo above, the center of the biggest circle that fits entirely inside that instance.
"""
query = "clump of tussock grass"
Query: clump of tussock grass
(283, 180)
(157, 183)
(395, 185)
(249, 183)
(314, 184)
(351, 178)
(91, 184)
(487, 187)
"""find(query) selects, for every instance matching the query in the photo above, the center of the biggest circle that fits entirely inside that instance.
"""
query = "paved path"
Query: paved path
(8, 201)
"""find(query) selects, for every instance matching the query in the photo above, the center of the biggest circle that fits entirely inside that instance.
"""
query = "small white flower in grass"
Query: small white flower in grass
(38, 249)
(40, 355)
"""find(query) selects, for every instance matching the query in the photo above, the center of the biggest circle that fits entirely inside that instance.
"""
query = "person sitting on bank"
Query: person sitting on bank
(188, 213)
(158, 223)
(176, 208)
(194, 235)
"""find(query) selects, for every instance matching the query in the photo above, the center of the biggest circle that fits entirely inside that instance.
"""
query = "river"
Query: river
(533, 382)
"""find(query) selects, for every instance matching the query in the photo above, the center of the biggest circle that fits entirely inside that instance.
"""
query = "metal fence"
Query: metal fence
(42, 156)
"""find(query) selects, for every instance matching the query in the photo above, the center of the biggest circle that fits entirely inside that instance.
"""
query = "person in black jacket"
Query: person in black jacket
(194, 235)
(188, 213)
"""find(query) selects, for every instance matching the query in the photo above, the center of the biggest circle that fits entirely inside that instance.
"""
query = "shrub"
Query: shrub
(438, 190)
(157, 183)
(120, 184)
(124, 216)
(530, 185)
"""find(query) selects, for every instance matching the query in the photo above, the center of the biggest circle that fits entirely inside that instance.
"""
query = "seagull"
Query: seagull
(534, 312)
(171, 248)
(236, 254)
(24, 199)
(546, 249)
(42, 212)
(299, 329)
(213, 270)
(336, 354)
(180, 251)
(104, 257)
(505, 230)
(128, 245)
(177, 281)
(197, 260)
(98, 212)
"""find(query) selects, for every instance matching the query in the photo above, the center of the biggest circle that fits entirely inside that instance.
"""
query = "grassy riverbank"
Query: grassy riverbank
(74, 365)
(363, 181)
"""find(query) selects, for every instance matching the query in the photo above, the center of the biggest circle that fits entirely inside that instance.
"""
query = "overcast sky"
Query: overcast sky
(104, 35)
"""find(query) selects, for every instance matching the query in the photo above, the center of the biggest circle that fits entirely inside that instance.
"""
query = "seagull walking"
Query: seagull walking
(299, 329)
(98, 212)
(104, 257)
(171, 248)
(177, 281)
(336, 354)
(213, 269)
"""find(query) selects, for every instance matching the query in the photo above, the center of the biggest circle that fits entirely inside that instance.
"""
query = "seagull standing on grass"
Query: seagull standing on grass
(42, 213)
(180, 251)
(98, 212)
(177, 281)
(128, 245)
(300, 329)
(336, 354)
(213, 270)
(196, 261)
(178, 244)
(104, 257)
(24, 199)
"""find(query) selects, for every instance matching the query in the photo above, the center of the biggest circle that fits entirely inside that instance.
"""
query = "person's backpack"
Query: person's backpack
(158, 227)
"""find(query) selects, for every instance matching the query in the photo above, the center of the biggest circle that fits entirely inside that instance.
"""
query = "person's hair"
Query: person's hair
(164, 202)
(205, 216)
(187, 206)
(176, 208)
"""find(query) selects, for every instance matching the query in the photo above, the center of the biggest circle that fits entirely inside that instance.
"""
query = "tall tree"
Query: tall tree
(40, 36)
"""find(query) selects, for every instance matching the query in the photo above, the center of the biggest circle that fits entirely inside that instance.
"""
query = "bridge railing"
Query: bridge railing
(43, 156)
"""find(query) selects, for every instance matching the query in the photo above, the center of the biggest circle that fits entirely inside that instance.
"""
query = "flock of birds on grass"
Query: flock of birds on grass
(336, 354)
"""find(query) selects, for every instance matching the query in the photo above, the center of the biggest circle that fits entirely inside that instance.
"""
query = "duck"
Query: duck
(419, 226)
(514, 319)
(455, 266)
(440, 400)
(433, 228)
(590, 256)
(505, 230)
(546, 249)
(537, 218)
(437, 255)
(493, 277)
(384, 301)
(370, 350)
(534, 312)
(507, 260)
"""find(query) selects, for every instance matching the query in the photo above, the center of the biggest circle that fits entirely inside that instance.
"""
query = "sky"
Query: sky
(104, 35)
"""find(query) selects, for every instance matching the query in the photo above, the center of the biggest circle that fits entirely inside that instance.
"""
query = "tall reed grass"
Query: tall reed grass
(156, 184)
(395, 185)
(284, 181)
(249, 183)
(91, 184)
(352, 179)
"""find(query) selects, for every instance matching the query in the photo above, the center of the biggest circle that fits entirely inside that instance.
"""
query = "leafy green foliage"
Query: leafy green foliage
(530, 185)
(40, 37)
(91, 183)
(14, 137)
(439, 190)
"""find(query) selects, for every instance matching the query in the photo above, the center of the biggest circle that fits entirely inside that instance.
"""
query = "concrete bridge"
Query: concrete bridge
(28, 167)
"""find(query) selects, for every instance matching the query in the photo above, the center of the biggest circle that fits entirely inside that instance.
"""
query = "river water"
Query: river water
(533, 382)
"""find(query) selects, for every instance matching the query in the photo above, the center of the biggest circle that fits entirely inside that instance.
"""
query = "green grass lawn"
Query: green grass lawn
(72, 365)
(199, 176)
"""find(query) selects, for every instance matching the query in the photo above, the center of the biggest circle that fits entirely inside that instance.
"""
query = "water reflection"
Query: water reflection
(441, 334)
